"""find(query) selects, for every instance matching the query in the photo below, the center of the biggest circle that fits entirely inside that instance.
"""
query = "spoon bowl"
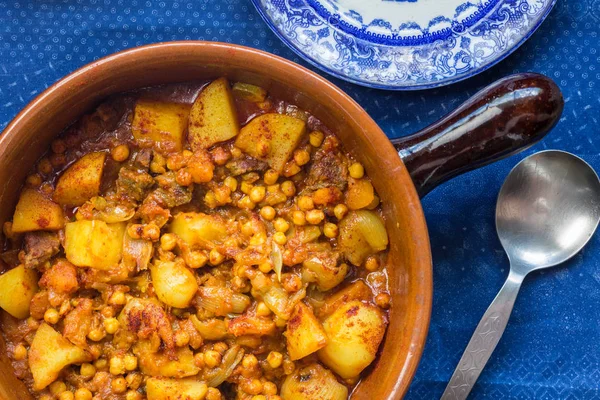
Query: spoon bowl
(547, 210)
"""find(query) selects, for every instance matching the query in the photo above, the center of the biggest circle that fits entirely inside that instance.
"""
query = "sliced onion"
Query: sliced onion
(137, 253)
(222, 301)
(276, 299)
(313, 382)
(373, 229)
(231, 359)
(277, 260)
(211, 329)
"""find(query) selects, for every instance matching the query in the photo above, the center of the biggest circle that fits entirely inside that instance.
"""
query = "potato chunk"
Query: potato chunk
(94, 243)
(313, 382)
(354, 331)
(271, 137)
(179, 364)
(197, 228)
(17, 288)
(35, 212)
(49, 354)
(175, 389)
(161, 122)
(81, 181)
(304, 334)
(213, 117)
(175, 285)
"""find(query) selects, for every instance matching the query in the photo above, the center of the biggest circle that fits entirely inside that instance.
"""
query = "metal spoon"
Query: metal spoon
(547, 210)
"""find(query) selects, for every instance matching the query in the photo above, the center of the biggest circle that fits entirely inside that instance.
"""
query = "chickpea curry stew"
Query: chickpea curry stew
(195, 241)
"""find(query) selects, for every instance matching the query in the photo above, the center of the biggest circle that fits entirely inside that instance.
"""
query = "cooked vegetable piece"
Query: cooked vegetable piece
(249, 92)
(222, 301)
(271, 137)
(210, 329)
(161, 122)
(360, 194)
(175, 285)
(175, 389)
(17, 288)
(49, 354)
(81, 181)
(196, 229)
(304, 334)
(213, 117)
(362, 233)
(354, 331)
(178, 365)
(94, 243)
(324, 272)
(313, 382)
(35, 212)
(355, 291)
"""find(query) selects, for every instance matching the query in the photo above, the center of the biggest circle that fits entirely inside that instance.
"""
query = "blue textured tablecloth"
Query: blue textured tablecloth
(551, 348)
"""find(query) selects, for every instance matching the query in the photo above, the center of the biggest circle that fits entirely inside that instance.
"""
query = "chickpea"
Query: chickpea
(120, 153)
(158, 164)
(199, 360)
(222, 194)
(196, 259)
(221, 155)
(151, 232)
(269, 388)
(356, 170)
(135, 231)
(257, 194)
(302, 157)
(259, 397)
(184, 177)
(267, 212)
(210, 199)
(236, 152)
(288, 188)
(306, 203)
(291, 169)
(134, 380)
(131, 362)
(83, 394)
(316, 138)
(51, 316)
(182, 338)
(101, 363)
(288, 367)
(87, 370)
(265, 267)
(250, 361)
(215, 257)
(292, 283)
(111, 325)
(315, 217)
(262, 310)
(330, 230)
(275, 359)
(270, 177)
(20, 352)
(47, 188)
(372, 264)
(57, 387)
(34, 180)
(67, 395)
(117, 299)
(281, 225)
(231, 183)
(213, 394)
(133, 395)
(176, 161)
(221, 347)
(340, 211)
(58, 146)
(253, 386)
(116, 365)
(119, 385)
(168, 241)
(44, 166)
(298, 218)
(246, 203)
(383, 300)
(212, 358)
(280, 238)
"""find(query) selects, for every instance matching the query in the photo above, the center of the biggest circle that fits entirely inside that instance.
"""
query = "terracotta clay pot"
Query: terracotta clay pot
(502, 119)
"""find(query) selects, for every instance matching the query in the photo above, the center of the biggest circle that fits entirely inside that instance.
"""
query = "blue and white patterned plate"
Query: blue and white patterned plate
(404, 44)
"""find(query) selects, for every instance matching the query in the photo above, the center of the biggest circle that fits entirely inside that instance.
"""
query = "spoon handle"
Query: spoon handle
(484, 340)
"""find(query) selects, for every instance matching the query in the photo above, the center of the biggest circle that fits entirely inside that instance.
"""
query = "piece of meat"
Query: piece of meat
(133, 183)
(40, 247)
(78, 323)
(143, 159)
(245, 164)
(327, 169)
(39, 304)
(61, 281)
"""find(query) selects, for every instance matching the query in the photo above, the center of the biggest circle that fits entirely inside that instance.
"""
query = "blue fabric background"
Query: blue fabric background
(551, 348)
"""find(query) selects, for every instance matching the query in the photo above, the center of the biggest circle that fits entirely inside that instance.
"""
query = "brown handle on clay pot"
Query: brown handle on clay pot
(505, 118)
